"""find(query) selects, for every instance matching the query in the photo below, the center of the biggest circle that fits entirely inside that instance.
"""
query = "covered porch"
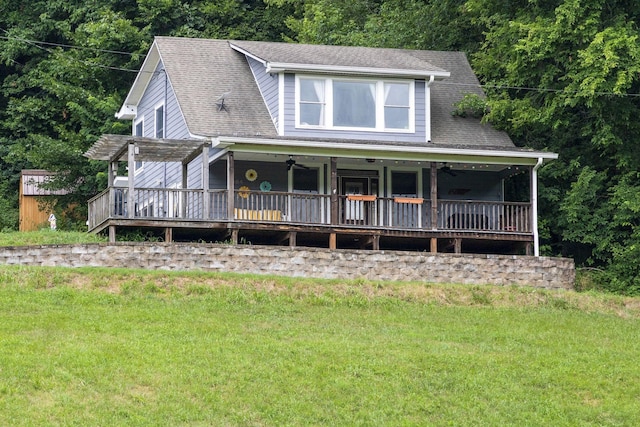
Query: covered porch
(336, 196)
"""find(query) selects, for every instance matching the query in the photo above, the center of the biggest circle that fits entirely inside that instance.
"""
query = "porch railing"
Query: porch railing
(309, 208)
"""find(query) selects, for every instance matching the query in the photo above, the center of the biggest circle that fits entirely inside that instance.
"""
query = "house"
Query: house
(35, 201)
(311, 145)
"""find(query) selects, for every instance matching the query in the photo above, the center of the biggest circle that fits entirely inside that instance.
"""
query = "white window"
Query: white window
(397, 107)
(312, 104)
(359, 104)
(159, 133)
(138, 130)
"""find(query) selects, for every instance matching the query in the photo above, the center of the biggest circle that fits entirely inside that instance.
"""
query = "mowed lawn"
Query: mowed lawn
(121, 347)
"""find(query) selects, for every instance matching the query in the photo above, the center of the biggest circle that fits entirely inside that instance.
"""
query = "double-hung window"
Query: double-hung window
(359, 104)
(159, 133)
(138, 130)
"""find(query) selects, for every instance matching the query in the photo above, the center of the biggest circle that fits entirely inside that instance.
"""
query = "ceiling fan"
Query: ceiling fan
(292, 163)
(447, 169)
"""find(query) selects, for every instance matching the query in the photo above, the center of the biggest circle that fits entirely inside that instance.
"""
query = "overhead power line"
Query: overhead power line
(69, 46)
(37, 44)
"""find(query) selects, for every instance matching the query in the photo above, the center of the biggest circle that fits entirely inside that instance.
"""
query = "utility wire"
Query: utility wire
(36, 43)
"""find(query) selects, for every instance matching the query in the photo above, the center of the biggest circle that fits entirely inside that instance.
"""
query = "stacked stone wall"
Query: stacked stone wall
(540, 272)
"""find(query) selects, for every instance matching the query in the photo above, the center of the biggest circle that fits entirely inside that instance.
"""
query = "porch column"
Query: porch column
(183, 194)
(205, 182)
(111, 175)
(230, 180)
(434, 204)
(131, 164)
(334, 191)
(534, 206)
(111, 178)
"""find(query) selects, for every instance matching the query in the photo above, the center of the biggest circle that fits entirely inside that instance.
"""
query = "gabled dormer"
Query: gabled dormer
(344, 92)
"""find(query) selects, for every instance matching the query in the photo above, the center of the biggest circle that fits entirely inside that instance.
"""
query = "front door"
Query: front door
(355, 210)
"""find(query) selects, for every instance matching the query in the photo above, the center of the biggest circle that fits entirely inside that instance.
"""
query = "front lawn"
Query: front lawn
(119, 347)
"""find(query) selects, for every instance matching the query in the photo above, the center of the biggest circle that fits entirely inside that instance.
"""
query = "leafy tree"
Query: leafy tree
(58, 97)
(568, 75)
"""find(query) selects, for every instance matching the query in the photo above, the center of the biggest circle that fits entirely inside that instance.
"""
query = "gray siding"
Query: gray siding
(290, 122)
(159, 92)
(268, 84)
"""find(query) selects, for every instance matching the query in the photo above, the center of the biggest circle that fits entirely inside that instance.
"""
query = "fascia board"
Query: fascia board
(247, 53)
(275, 67)
(391, 152)
(129, 107)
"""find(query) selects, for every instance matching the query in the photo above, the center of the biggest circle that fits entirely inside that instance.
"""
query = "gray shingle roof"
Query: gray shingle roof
(348, 56)
(200, 70)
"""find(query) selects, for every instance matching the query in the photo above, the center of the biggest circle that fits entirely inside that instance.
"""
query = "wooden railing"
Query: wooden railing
(312, 209)
(484, 216)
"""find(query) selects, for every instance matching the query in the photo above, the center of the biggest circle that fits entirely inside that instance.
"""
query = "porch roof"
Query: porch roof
(114, 148)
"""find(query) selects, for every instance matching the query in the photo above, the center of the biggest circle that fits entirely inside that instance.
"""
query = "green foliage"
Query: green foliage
(470, 105)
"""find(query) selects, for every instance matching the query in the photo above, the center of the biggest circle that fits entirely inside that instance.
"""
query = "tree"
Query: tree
(566, 77)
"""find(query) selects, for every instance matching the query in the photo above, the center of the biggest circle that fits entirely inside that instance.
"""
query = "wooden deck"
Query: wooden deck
(305, 219)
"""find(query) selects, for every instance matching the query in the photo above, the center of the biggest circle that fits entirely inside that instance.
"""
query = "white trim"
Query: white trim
(279, 67)
(281, 98)
(427, 108)
(135, 125)
(247, 53)
(390, 152)
(164, 119)
(128, 111)
(534, 207)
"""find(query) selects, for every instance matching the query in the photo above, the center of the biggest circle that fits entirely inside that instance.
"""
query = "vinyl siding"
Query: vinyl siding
(160, 92)
(291, 130)
(268, 85)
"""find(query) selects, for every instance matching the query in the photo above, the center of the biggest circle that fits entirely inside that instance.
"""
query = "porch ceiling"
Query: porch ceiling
(114, 148)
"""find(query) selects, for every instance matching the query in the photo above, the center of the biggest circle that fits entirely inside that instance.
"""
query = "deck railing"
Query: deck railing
(312, 209)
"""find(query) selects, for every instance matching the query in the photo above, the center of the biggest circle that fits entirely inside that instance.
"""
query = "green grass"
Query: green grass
(118, 347)
(47, 237)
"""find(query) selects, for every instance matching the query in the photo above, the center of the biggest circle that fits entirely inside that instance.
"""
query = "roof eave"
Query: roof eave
(279, 67)
(388, 151)
(128, 111)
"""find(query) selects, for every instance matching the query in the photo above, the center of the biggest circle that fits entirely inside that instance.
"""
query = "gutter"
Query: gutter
(534, 207)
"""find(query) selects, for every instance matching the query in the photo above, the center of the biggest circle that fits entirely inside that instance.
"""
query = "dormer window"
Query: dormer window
(354, 104)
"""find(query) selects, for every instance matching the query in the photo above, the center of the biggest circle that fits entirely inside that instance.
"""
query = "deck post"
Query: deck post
(434, 199)
(230, 179)
(292, 239)
(434, 245)
(333, 241)
(376, 242)
(131, 164)
(334, 192)
(168, 235)
(457, 245)
(205, 182)
(112, 234)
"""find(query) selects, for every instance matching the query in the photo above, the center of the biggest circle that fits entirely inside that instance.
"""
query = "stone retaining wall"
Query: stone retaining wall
(541, 272)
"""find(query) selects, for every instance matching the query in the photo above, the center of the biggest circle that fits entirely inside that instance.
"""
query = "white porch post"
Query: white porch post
(131, 164)
(230, 186)
(205, 181)
(534, 207)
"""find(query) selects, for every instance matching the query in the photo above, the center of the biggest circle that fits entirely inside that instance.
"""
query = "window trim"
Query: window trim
(155, 121)
(379, 104)
(138, 165)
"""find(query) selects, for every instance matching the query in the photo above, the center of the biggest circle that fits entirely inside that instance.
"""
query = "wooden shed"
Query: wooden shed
(31, 197)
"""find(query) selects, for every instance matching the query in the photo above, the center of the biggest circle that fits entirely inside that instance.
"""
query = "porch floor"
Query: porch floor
(323, 236)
